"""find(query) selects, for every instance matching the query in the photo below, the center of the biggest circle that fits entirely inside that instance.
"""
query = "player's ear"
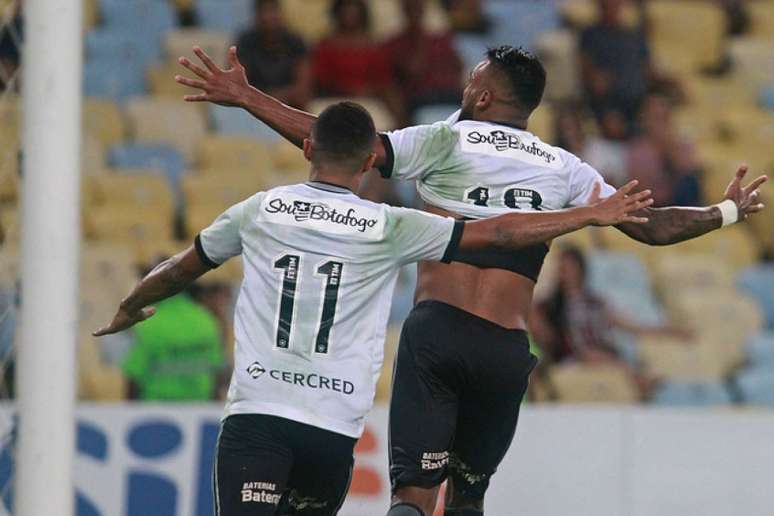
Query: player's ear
(485, 99)
(369, 162)
(308, 149)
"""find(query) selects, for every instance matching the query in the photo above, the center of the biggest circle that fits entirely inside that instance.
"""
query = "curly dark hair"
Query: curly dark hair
(524, 71)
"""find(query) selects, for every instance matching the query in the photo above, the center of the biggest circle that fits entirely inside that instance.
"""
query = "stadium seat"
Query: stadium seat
(229, 121)
(228, 16)
(309, 18)
(693, 271)
(520, 22)
(580, 14)
(146, 17)
(103, 120)
(766, 98)
(761, 18)
(559, 55)
(289, 161)
(756, 386)
(151, 157)
(751, 128)
(9, 176)
(471, 49)
(93, 161)
(129, 223)
(147, 252)
(121, 45)
(673, 359)
(168, 122)
(435, 113)
(147, 190)
(758, 282)
(383, 119)
(733, 244)
(700, 394)
(232, 152)
(10, 226)
(752, 60)
(760, 350)
(199, 190)
(576, 383)
(387, 17)
(682, 51)
(541, 123)
(109, 78)
(161, 82)
(610, 270)
(180, 42)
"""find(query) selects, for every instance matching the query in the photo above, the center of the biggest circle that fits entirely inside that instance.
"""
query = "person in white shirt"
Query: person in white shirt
(320, 267)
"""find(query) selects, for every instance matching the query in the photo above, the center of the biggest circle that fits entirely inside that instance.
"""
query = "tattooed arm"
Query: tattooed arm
(165, 280)
(671, 225)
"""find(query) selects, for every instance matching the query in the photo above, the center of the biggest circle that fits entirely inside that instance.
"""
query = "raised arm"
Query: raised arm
(165, 280)
(517, 230)
(229, 87)
(671, 225)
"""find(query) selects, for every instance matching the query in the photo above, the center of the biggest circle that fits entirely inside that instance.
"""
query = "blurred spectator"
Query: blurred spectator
(217, 299)
(605, 152)
(616, 66)
(275, 59)
(426, 66)
(574, 324)
(11, 35)
(661, 159)
(467, 16)
(349, 63)
(737, 17)
(177, 354)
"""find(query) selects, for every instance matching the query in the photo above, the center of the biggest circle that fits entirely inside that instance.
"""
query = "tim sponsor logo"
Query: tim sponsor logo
(260, 492)
(304, 211)
(503, 141)
(307, 380)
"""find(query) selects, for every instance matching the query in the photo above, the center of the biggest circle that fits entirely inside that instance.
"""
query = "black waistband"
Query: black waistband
(459, 313)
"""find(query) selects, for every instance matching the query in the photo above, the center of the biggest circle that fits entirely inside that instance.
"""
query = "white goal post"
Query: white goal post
(50, 220)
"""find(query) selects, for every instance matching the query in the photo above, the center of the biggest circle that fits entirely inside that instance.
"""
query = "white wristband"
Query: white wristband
(729, 211)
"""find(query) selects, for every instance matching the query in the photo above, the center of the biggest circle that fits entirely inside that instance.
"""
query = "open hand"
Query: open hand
(619, 207)
(225, 87)
(124, 320)
(746, 198)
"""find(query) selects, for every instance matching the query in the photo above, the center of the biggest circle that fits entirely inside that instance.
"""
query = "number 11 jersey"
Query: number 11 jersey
(320, 266)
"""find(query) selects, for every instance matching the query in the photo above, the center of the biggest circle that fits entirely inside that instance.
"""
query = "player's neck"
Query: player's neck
(508, 117)
(336, 178)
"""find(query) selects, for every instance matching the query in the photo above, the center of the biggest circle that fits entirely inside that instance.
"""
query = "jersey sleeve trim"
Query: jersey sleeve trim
(389, 158)
(454, 242)
(203, 255)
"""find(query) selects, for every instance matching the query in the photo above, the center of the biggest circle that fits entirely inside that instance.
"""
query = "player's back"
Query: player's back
(320, 267)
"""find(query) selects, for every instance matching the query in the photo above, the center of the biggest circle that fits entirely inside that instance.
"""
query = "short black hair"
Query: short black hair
(343, 133)
(365, 13)
(524, 71)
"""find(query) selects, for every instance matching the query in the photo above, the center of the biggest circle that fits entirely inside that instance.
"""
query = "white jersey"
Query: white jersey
(482, 169)
(320, 266)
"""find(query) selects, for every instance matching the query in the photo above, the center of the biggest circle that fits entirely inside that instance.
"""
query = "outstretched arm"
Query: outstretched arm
(517, 230)
(229, 87)
(165, 280)
(671, 225)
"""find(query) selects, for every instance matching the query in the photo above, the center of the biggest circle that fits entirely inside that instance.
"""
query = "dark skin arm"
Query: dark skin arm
(167, 279)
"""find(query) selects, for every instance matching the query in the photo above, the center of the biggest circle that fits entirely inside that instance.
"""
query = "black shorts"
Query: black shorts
(459, 381)
(267, 466)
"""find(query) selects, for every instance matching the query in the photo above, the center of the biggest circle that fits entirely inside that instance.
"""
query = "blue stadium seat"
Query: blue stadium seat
(471, 49)
(767, 98)
(520, 22)
(756, 386)
(113, 79)
(148, 156)
(122, 44)
(145, 16)
(224, 15)
(433, 114)
(760, 350)
(678, 394)
(237, 122)
(758, 282)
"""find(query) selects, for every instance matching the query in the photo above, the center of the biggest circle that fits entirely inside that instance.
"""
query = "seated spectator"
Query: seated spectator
(275, 59)
(10, 42)
(616, 66)
(426, 66)
(177, 354)
(467, 16)
(574, 324)
(662, 160)
(349, 63)
(605, 152)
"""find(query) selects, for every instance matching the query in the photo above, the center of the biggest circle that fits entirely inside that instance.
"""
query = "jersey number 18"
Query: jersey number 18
(331, 271)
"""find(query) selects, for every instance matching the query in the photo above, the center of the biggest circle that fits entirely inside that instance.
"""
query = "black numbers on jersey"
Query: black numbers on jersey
(290, 265)
(478, 195)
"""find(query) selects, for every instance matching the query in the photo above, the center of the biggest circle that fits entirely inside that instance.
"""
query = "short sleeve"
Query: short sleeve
(583, 177)
(222, 239)
(414, 151)
(416, 235)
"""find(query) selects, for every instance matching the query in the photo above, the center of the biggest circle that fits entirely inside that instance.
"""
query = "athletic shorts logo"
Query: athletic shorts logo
(255, 370)
(434, 460)
(260, 492)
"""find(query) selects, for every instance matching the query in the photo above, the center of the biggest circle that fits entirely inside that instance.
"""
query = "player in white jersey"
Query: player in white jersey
(320, 268)
(479, 163)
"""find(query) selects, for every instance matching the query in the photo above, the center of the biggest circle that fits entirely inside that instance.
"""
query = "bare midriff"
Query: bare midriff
(496, 295)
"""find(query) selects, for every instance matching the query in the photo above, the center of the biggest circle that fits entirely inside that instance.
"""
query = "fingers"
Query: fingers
(594, 197)
(755, 208)
(198, 70)
(105, 330)
(193, 83)
(233, 59)
(211, 66)
(625, 189)
(147, 313)
(202, 97)
(641, 205)
(635, 220)
(752, 187)
(741, 172)
(639, 196)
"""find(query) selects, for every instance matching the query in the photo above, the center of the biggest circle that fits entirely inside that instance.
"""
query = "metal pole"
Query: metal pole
(46, 365)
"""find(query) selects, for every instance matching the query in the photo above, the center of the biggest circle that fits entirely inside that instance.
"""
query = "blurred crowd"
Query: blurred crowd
(610, 101)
